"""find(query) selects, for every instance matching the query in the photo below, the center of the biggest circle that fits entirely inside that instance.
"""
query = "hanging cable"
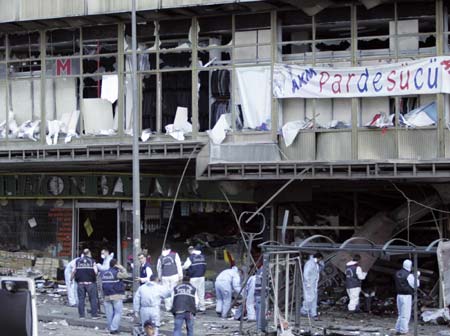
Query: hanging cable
(418, 203)
(176, 194)
(409, 200)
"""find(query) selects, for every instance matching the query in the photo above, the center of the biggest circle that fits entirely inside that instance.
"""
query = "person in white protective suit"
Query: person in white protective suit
(71, 284)
(404, 284)
(226, 282)
(253, 304)
(353, 278)
(147, 300)
(311, 274)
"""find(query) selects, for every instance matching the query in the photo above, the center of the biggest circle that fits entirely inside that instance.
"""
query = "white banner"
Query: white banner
(424, 76)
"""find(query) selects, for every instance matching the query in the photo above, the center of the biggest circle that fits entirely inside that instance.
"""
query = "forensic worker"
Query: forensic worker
(70, 284)
(253, 303)
(184, 307)
(147, 300)
(195, 265)
(169, 271)
(353, 278)
(311, 274)
(404, 284)
(226, 282)
(114, 294)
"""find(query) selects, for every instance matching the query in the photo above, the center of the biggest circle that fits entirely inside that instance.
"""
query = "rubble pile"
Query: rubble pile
(12, 262)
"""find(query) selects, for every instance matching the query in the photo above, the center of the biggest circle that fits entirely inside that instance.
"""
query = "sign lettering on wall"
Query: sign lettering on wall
(425, 76)
(63, 67)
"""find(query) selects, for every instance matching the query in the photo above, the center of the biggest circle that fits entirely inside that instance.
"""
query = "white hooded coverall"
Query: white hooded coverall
(227, 281)
(147, 302)
(404, 302)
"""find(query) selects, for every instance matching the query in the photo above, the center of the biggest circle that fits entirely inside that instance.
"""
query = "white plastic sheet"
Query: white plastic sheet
(180, 124)
(219, 131)
(291, 129)
(254, 91)
(110, 88)
(98, 116)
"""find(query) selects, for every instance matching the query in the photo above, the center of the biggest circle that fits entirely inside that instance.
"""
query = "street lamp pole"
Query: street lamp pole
(136, 176)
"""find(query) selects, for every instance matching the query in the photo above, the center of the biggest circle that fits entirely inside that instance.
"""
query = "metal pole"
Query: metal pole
(136, 177)
(416, 333)
(286, 290)
(298, 291)
(264, 281)
(275, 290)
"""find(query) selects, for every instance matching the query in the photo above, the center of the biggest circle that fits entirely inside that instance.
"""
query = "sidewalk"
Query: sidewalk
(51, 308)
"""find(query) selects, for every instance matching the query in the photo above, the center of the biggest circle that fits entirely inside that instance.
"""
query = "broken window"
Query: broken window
(24, 46)
(175, 44)
(253, 97)
(3, 85)
(176, 92)
(63, 64)
(63, 42)
(100, 40)
(24, 71)
(2, 47)
(416, 111)
(252, 38)
(100, 82)
(214, 97)
(146, 49)
(296, 36)
(333, 34)
(415, 29)
(214, 40)
(447, 25)
(373, 30)
(148, 102)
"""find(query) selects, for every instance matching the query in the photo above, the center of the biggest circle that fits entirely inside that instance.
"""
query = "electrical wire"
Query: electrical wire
(418, 203)
(410, 200)
(176, 195)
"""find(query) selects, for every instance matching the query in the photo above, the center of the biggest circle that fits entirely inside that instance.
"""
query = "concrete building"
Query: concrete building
(348, 99)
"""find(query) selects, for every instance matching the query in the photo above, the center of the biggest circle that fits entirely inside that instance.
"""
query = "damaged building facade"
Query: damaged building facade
(342, 104)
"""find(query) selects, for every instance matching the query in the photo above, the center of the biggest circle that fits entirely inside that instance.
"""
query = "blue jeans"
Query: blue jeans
(91, 290)
(178, 324)
(113, 310)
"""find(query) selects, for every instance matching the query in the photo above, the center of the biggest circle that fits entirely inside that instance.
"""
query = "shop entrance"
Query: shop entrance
(98, 228)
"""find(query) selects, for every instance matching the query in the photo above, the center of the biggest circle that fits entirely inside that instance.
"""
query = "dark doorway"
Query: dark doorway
(98, 230)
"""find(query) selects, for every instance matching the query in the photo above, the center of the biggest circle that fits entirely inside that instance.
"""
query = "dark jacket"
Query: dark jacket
(84, 271)
(184, 299)
(111, 284)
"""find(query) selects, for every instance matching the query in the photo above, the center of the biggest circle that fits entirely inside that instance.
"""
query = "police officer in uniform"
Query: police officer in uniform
(114, 294)
(196, 268)
(85, 274)
(353, 278)
(169, 271)
(145, 271)
(183, 308)
(404, 283)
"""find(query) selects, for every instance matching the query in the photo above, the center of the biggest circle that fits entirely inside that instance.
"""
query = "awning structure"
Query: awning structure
(356, 244)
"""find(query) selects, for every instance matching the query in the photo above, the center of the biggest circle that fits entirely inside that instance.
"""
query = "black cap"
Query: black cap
(149, 324)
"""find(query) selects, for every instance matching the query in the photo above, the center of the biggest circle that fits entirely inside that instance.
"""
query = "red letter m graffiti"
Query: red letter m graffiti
(63, 67)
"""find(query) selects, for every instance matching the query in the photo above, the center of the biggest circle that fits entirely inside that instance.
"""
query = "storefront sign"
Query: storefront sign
(111, 186)
(424, 76)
